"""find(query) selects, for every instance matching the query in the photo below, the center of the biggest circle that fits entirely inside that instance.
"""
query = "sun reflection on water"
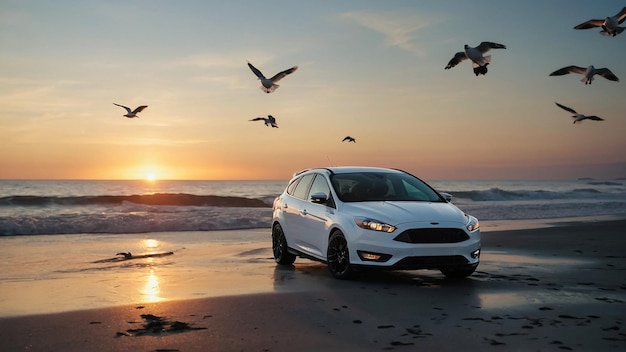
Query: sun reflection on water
(150, 244)
(150, 292)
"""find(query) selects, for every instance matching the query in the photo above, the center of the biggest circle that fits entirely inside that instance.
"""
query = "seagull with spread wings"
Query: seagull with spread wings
(349, 139)
(579, 117)
(475, 55)
(587, 73)
(269, 121)
(132, 113)
(269, 85)
(610, 25)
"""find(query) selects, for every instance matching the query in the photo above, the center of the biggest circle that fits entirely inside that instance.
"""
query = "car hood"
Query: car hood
(395, 213)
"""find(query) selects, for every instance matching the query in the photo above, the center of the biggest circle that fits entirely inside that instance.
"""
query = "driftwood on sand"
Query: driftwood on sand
(129, 256)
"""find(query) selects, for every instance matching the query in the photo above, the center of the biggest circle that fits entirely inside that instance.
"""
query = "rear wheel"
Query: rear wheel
(279, 247)
(338, 256)
(459, 272)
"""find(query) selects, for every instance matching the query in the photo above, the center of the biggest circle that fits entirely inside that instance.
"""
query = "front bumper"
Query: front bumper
(384, 250)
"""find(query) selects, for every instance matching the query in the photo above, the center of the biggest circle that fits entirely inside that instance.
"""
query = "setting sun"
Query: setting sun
(150, 176)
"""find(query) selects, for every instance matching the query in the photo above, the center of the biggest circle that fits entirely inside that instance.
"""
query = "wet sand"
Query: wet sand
(560, 288)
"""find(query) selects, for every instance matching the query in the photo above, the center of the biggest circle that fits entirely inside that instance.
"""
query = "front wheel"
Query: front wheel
(279, 247)
(338, 256)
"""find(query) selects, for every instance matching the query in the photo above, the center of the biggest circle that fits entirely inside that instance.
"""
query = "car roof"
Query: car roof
(349, 169)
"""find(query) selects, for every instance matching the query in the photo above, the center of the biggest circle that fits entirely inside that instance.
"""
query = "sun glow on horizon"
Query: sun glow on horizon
(150, 176)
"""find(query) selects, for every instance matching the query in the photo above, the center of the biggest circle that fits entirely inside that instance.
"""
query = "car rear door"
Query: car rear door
(294, 222)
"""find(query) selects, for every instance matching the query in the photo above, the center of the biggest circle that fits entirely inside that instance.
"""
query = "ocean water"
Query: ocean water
(38, 207)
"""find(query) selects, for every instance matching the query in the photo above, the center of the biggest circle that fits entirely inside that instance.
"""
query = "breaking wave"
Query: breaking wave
(137, 219)
(33, 215)
(180, 199)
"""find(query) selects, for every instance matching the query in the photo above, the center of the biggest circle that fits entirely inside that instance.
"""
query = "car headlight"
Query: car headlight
(375, 225)
(472, 223)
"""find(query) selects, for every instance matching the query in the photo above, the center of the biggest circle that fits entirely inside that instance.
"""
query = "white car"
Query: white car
(355, 218)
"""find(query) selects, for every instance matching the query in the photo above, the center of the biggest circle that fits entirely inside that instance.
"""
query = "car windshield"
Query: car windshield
(382, 186)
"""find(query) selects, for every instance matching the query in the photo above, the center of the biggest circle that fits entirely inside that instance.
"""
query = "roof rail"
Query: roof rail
(299, 172)
(329, 170)
(305, 170)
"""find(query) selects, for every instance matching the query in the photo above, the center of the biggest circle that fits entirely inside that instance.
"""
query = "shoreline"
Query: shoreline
(557, 287)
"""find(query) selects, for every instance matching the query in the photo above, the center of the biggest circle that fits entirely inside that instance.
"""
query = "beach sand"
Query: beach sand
(553, 288)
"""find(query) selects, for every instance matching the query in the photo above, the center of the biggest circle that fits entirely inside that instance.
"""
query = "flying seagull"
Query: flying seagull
(610, 25)
(269, 85)
(269, 120)
(479, 62)
(579, 117)
(349, 139)
(132, 113)
(587, 73)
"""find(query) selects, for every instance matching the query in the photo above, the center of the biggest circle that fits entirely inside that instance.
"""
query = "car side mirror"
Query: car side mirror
(319, 198)
(446, 196)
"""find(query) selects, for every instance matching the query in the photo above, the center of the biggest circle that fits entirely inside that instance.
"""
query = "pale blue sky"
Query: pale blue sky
(370, 69)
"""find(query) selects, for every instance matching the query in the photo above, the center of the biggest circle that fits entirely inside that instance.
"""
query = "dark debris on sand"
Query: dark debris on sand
(156, 326)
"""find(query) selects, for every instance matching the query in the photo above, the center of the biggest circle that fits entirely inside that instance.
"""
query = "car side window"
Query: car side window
(302, 188)
(319, 186)
(292, 186)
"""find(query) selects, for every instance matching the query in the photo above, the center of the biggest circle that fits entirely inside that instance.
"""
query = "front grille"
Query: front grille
(431, 262)
(432, 235)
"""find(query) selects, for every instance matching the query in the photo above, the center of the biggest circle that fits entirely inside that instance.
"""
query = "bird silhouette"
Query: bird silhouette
(479, 62)
(269, 85)
(579, 117)
(587, 73)
(132, 113)
(269, 121)
(610, 25)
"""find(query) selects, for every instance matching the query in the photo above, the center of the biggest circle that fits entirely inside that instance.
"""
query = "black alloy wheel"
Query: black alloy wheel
(338, 256)
(279, 247)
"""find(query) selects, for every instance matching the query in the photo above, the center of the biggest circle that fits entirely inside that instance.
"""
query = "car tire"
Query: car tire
(338, 256)
(280, 248)
(459, 272)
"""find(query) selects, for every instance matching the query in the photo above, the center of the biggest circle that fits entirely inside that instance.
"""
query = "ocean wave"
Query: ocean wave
(138, 219)
(98, 209)
(497, 194)
(605, 183)
(177, 199)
